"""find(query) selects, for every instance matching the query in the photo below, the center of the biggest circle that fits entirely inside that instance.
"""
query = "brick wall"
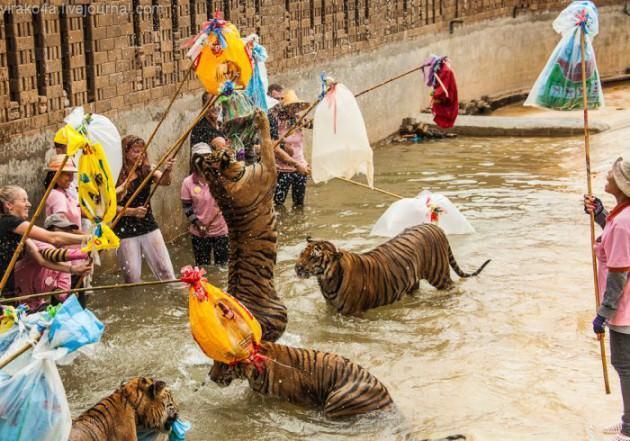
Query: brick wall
(116, 55)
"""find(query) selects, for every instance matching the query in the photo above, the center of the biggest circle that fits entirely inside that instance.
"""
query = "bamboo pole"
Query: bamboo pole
(380, 190)
(4, 300)
(23, 349)
(169, 152)
(146, 145)
(38, 210)
(157, 183)
(589, 185)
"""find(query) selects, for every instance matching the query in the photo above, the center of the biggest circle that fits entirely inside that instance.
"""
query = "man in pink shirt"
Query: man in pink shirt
(208, 230)
(613, 256)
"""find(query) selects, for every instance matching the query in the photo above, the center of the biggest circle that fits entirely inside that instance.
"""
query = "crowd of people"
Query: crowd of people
(52, 259)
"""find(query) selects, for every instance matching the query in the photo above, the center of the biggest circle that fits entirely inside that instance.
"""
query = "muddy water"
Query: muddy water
(507, 355)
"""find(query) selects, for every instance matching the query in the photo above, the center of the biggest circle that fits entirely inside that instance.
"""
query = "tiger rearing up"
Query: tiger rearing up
(140, 404)
(354, 282)
(245, 196)
(310, 378)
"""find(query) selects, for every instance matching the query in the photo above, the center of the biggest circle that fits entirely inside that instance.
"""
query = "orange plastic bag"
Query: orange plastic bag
(222, 327)
(219, 55)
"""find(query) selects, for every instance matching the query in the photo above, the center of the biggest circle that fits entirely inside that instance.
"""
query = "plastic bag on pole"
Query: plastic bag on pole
(341, 147)
(258, 84)
(425, 208)
(100, 130)
(222, 327)
(559, 86)
(33, 401)
(73, 326)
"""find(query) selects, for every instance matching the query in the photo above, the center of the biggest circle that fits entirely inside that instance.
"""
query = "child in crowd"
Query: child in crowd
(208, 230)
(138, 231)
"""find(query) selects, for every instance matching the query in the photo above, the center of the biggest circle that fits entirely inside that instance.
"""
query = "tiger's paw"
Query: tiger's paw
(261, 121)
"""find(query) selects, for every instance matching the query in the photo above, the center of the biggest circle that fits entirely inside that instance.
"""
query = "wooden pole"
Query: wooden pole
(157, 183)
(170, 151)
(38, 210)
(23, 349)
(4, 300)
(350, 181)
(589, 185)
(146, 145)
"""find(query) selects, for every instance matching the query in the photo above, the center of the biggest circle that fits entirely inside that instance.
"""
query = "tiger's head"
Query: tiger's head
(152, 401)
(220, 163)
(223, 374)
(316, 258)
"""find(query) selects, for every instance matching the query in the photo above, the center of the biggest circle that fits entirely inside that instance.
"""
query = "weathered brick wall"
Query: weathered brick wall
(119, 55)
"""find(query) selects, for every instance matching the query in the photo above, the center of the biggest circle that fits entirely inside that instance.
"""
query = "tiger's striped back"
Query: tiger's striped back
(311, 378)
(354, 282)
(245, 196)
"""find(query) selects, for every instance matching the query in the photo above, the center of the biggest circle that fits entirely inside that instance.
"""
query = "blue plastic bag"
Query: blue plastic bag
(178, 432)
(257, 87)
(73, 326)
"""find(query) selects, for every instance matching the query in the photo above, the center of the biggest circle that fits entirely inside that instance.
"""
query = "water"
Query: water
(507, 355)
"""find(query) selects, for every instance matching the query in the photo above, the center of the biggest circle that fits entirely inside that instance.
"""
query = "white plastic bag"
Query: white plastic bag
(33, 403)
(409, 212)
(102, 131)
(341, 147)
(559, 86)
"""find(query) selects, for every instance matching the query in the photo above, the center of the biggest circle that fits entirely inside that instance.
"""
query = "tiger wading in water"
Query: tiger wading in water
(139, 404)
(245, 196)
(354, 282)
(309, 378)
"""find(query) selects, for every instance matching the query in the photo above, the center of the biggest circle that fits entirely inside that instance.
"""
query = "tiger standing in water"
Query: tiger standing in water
(310, 378)
(354, 282)
(245, 196)
(140, 403)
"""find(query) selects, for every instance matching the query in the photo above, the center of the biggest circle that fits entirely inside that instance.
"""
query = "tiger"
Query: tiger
(309, 378)
(140, 404)
(353, 282)
(245, 196)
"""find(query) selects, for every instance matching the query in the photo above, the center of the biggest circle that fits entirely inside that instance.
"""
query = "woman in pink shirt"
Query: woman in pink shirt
(61, 200)
(613, 256)
(208, 230)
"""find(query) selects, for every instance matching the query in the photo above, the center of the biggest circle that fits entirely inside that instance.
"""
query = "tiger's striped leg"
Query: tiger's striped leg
(363, 395)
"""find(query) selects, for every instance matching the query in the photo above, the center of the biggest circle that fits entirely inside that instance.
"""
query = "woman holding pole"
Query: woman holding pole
(613, 255)
(137, 229)
(14, 212)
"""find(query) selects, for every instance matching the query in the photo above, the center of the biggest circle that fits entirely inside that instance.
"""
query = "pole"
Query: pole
(18, 251)
(157, 183)
(170, 151)
(589, 185)
(350, 181)
(4, 300)
(146, 145)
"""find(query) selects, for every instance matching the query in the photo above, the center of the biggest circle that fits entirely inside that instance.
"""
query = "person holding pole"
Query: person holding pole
(137, 229)
(613, 255)
(14, 215)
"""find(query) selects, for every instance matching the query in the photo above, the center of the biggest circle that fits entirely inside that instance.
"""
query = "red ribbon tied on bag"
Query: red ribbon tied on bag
(194, 278)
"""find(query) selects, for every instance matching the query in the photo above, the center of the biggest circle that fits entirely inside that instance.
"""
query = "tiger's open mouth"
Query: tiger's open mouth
(168, 424)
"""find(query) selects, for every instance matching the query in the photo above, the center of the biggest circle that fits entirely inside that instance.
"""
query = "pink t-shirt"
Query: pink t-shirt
(295, 146)
(204, 206)
(31, 278)
(613, 251)
(61, 201)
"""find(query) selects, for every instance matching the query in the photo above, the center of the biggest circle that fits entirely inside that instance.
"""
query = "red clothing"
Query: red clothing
(445, 109)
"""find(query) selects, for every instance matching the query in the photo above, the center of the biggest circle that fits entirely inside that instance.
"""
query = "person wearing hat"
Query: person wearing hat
(61, 199)
(208, 230)
(291, 164)
(613, 256)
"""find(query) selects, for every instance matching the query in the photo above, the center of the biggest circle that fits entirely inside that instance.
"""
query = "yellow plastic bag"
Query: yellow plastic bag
(219, 55)
(97, 189)
(222, 327)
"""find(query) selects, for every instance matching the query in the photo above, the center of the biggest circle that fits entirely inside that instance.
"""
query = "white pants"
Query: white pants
(152, 247)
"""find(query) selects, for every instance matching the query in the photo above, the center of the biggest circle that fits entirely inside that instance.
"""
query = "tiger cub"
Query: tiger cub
(310, 378)
(354, 282)
(140, 403)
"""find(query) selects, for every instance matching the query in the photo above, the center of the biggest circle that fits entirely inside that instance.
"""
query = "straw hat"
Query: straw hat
(291, 101)
(55, 162)
(621, 174)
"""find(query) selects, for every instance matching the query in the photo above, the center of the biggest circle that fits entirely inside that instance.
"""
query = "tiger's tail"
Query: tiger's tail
(458, 270)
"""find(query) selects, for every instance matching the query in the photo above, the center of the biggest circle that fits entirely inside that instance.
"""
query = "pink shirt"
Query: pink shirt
(613, 251)
(61, 201)
(295, 144)
(31, 278)
(204, 207)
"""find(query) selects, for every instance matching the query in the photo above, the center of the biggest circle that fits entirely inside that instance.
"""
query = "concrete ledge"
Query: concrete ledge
(470, 125)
